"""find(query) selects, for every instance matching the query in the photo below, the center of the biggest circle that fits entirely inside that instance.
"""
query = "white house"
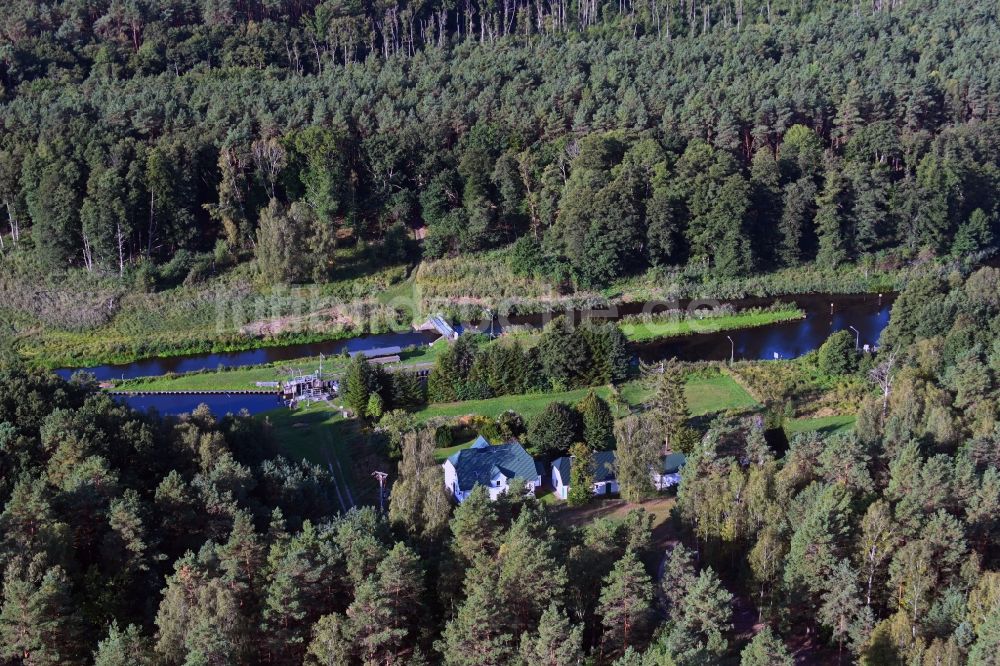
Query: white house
(491, 466)
(604, 474)
(666, 474)
(669, 473)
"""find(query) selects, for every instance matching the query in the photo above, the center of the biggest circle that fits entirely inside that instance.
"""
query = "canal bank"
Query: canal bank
(824, 314)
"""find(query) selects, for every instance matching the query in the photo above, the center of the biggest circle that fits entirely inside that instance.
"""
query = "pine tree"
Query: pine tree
(598, 422)
(817, 543)
(678, 577)
(475, 524)
(849, 114)
(478, 635)
(797, 215)
(625, 604)
(29, 524)
(581, 478)
(766, 649)
(700, 626)
(376, 632)
(396, 600)
(841, 610)
(668, 405)
(124, 648)
(360, 383)
(331, 643)
(832, 219)
(528, 574)
(39, 621)
(556, 643)
(241, 559)
(297, 593)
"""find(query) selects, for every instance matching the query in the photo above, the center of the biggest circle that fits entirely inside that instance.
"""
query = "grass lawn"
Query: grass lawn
(705, 395)
(616, 509)
(526, 405)
(319, 434)
(715, 393)
(440, 455)
(824, 424)
(642, 331)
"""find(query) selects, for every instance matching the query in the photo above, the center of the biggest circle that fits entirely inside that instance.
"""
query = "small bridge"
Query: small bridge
(438, 323)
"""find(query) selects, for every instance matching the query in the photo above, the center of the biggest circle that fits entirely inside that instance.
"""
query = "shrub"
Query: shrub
(838, 355)
(444, 437)
(554, 430)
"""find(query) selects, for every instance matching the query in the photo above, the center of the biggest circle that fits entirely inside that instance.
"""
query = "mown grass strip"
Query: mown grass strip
(705, 395)
(825, 424)
(646, 331)
(240, 379)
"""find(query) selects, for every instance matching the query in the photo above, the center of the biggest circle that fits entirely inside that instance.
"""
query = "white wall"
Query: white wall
(497, 486)
(557, 483)
(664, 481)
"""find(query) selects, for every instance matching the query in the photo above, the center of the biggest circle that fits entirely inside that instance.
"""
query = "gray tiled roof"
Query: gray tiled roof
(480, 463)
(604, 467)
(673, 463)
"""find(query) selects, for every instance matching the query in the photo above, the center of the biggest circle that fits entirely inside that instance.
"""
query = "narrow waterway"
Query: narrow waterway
(193, 363)
(866, 315)
(219, 403)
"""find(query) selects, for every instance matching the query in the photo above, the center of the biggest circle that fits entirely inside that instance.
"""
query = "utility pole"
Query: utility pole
(381, 477)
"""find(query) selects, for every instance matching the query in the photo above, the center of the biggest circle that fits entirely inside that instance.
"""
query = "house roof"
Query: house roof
(672, 463)
(604, 467)
(482, 462)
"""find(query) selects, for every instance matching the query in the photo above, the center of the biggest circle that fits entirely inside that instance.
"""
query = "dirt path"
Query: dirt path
(336, 485)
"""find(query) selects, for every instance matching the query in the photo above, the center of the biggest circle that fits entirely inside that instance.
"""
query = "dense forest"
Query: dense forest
(878, 545)
(600, 138)
(148, 143)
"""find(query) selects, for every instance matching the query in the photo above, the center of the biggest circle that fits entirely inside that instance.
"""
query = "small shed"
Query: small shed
(605, 481)
(668, 472)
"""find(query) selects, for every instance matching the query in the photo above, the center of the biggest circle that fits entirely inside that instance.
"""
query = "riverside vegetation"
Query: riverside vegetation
(527, 162)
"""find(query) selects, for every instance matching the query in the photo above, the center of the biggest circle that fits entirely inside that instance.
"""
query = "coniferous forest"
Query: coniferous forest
(601, 138)
(131, 539)
(149, 144)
